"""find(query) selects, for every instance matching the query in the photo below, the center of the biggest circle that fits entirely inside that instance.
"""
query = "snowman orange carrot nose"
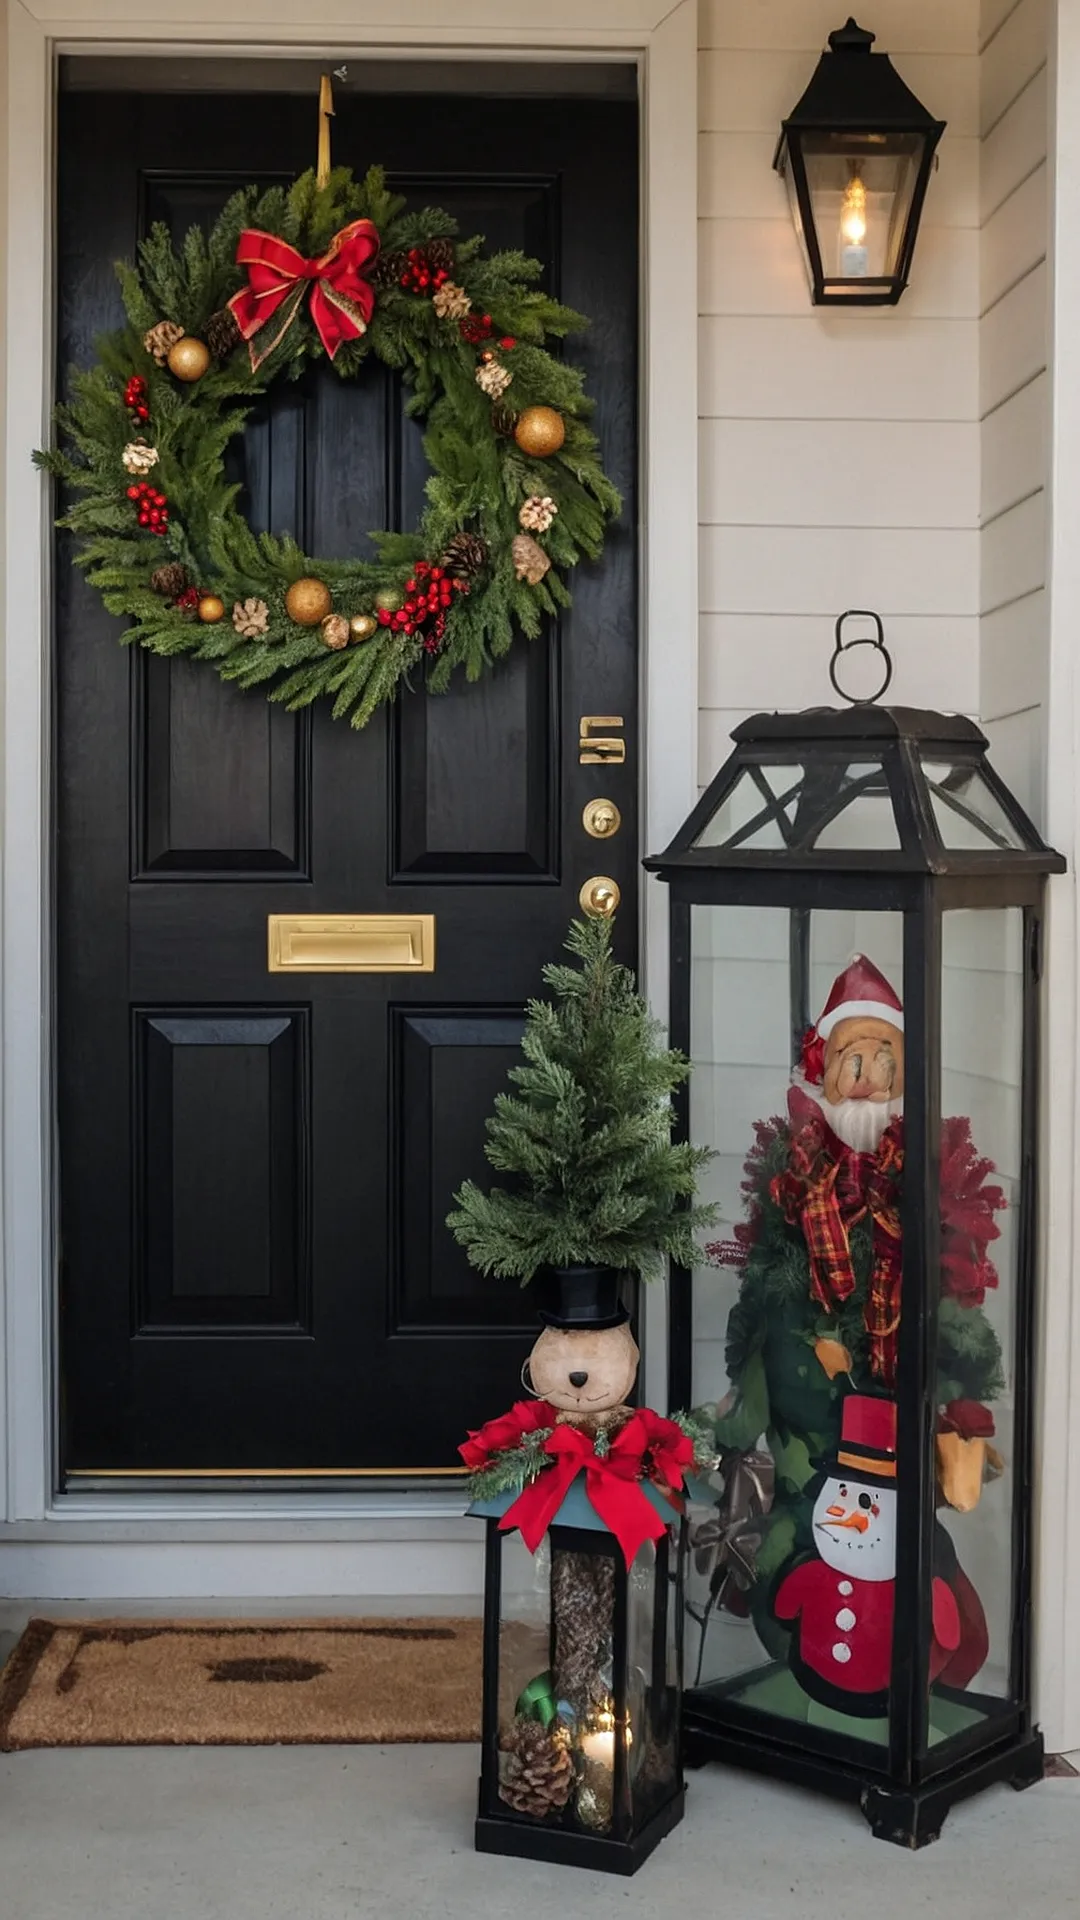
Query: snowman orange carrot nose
(841, 1519)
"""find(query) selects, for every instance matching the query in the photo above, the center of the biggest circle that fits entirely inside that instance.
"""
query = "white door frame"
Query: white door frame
(662, 38)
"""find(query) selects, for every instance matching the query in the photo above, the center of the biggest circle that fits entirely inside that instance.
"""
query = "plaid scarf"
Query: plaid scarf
(825, 1190)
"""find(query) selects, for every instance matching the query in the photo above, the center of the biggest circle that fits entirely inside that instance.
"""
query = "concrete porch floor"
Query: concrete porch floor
(321, 1833)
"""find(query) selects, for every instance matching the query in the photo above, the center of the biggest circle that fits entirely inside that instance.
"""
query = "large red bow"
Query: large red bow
(612, 1480)
(342, 300)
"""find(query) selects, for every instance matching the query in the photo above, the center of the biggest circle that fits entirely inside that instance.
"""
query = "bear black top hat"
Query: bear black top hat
(581, 1299)
(867, 1446)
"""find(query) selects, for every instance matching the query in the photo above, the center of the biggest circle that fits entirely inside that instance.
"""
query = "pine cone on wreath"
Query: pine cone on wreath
(138, 457)
(450, 301)
(222, 334)
(170, 580)
(538, 513)
(440, 254)
(493, 378)
(388, 270)
(162, 338)
(251, 618)
(530, 561)
(503, 419)
(464, 556)
(536, 1772)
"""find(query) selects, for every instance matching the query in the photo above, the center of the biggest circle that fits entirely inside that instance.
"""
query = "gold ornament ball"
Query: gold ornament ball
(540, 431)
(390, 599)
(189, 359)
(308, 601)
(211, 609)
(362, 626)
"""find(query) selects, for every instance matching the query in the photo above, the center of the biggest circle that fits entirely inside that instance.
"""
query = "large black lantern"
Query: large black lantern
(856, 155)
(856, 922)
(581, 1761)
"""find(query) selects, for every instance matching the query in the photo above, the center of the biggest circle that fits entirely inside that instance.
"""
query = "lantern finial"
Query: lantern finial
(851, 38)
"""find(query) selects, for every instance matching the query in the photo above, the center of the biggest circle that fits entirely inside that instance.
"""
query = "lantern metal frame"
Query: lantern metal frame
(906, 1788)
(854, 92)
(625, 1848)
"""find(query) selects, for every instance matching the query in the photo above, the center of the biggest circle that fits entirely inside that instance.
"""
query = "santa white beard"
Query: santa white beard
(858, 1124)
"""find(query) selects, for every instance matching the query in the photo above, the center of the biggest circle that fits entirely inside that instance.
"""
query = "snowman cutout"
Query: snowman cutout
(841, 1602)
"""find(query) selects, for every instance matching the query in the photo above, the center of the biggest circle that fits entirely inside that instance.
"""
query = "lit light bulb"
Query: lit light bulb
(853, 251)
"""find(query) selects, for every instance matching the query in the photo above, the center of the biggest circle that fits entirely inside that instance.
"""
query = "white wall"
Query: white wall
(839, 453)
(1014, 388)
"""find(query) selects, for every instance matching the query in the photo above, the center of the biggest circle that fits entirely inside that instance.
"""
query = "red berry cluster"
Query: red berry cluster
(150, 505)
(188, 600)
(428, 598)
(478, 327)
(420, 276)
(136, 399)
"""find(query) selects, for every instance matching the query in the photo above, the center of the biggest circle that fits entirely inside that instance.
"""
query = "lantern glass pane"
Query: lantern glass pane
(790, 1611)
(840, 804)
(969, 815)
(652, 1680)
(981, 1061)
(861, 188)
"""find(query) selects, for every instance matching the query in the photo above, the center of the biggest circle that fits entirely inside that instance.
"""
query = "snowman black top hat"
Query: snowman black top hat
(867, 1445)
(582, 1299)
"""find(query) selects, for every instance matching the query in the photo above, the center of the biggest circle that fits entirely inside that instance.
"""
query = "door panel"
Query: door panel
(256, 1168)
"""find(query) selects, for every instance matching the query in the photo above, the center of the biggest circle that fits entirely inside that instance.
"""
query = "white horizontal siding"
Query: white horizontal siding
(834, 366)
(823, 570)
(901, 26)
(1014, 387)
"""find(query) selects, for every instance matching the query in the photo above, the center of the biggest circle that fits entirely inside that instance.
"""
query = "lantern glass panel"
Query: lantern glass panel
(968, 813)
(760, 977)
(841, 804)
(981, 1107)
(861, 187)
(652, 1693)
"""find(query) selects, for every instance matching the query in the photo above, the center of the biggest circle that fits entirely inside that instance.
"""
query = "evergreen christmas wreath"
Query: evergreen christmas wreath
(516, 492)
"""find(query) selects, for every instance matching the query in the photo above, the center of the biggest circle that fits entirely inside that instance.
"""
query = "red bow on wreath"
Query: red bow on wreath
(342, 300)
(648, 1446)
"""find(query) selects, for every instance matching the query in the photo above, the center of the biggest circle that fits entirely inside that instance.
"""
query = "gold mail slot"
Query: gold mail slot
(350, 942)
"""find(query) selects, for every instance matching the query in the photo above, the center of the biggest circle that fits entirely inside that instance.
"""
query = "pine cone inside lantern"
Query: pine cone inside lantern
(170, 580)
(251, 618)
(536, 1772)
(161, 339)
(222, 333)
(538, 512)
(493, 378)
(582, 1605)
(464, 556)
(530, 561)
(138, 458)
(451, 302)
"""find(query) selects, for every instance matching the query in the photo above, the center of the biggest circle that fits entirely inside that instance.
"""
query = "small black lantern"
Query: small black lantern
(581, 1761)
(856, 936)
(856, 156)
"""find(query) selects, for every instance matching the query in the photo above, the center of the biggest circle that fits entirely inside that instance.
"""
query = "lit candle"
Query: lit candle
(853, 250)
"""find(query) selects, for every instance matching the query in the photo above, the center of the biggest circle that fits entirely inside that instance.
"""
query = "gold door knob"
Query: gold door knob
(601, 819)
(600, 896)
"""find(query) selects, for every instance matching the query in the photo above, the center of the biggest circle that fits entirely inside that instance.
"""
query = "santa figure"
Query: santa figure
(820, 1254)
(841, 1601)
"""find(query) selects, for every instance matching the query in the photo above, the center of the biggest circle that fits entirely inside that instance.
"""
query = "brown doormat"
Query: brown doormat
(130, 1683)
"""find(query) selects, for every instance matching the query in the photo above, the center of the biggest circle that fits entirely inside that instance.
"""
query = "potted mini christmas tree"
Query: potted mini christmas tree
(596, 1189)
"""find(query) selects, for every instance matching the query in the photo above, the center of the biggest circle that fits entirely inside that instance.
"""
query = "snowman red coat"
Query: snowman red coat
(842, 1642)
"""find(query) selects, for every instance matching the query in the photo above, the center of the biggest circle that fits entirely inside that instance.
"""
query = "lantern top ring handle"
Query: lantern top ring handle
(877, 640)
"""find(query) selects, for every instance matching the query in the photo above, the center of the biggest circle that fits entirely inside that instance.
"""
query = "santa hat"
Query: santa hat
(860, 989)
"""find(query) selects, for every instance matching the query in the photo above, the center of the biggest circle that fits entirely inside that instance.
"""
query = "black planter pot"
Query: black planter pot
(581, 1299)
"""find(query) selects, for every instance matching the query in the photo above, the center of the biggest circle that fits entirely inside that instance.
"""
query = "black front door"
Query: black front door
(255, 1165)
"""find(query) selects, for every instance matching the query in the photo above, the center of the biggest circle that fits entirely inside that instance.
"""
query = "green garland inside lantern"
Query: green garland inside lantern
(143, 438)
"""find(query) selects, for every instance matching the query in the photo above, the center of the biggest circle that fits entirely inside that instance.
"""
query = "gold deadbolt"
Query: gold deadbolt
(601, 819)
(600, 896)
(594, 748)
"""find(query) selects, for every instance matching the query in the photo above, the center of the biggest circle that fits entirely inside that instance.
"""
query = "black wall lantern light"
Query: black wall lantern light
(856, 156)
